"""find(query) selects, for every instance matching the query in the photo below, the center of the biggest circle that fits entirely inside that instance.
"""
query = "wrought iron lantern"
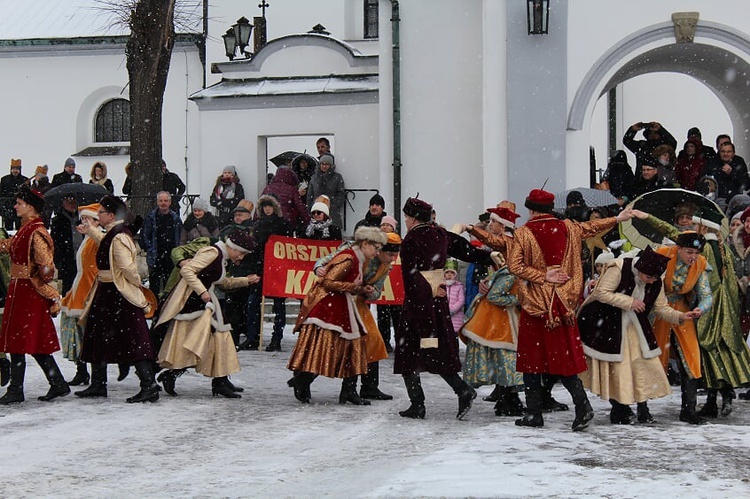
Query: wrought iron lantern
(537, 15)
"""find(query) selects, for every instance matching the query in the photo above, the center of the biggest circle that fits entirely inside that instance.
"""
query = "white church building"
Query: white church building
(455, 101)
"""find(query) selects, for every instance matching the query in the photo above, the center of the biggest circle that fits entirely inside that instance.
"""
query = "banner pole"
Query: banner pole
(262, 320)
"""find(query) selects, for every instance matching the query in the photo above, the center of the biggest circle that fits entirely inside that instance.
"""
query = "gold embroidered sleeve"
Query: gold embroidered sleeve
(338, 268)
(594, 227)
(43, 266)
(497, 243)
(524, 251)
(5, 244)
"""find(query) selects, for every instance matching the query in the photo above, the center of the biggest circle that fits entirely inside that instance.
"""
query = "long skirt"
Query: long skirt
(71, 337)
(374, 343)
(27, 325)
(490, 366)
(324, 352)
(116, 330)
(194, 343)
(635, 379)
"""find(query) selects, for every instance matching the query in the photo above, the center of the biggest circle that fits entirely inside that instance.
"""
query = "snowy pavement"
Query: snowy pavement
(267, 444)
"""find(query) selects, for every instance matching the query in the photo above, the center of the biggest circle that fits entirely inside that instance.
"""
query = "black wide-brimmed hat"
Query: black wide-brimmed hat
(651, 263)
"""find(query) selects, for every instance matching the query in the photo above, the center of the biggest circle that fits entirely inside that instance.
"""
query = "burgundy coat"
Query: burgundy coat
(283, 186)
(426, 247)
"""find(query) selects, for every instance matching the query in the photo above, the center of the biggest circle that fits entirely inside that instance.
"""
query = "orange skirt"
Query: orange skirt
(324, 352)
(374, 343)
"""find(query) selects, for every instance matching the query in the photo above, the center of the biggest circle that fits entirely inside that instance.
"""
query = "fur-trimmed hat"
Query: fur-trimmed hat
(604, 257)
(699, 220)
(416, 208)
(540, 200)
(691, 239)
(394, 243)
(245, 206)
(370, 234)
(114, 205)
(387, 219)
(31, 197)
(15, 163)
(322, 204)
(90, 210)
(43, 169)
(684, 209)
(651, 263)
(504, 216)
(241, 240)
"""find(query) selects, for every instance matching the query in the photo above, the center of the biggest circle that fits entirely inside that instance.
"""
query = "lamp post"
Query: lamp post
(238, 37)
(537, 16)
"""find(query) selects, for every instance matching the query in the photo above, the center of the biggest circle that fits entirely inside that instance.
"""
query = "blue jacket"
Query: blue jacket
(148, 234)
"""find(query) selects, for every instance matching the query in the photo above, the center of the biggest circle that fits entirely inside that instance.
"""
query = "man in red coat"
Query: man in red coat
(547, 255)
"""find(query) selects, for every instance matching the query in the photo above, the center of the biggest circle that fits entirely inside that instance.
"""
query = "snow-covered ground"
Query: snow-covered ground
(267, 444)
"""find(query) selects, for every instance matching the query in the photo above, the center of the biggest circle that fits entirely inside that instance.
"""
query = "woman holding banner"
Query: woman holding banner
(331, 329)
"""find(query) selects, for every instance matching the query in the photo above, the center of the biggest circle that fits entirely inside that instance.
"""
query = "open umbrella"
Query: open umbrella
(311, 162)
(83, 193)
(593, 197)
(284, 158)
(661, 203)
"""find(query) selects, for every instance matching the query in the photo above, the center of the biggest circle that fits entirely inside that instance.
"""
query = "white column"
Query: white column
(385, 106)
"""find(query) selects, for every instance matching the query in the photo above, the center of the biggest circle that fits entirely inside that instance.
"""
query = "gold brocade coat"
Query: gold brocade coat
(526, 261)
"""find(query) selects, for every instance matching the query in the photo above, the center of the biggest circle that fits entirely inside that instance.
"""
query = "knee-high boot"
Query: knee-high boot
(4, 370)
(149, 389)
(416, 395)
(370, 384)
(689, 401)
(58, 387)
(98, 387)
(584, 412)
(727, 395)
(349, 392)
(17, 374)
(710, 409)
(549, 404)
(533, 389)
(466, 394)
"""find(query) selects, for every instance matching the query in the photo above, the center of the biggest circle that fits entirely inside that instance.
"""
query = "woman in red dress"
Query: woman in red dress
(31, 301)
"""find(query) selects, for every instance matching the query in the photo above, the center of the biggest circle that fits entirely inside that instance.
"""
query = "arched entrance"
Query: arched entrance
(717, 59)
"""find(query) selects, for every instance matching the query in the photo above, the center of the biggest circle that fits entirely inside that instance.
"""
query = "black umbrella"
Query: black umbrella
(83, 193)
(311, 162)
(284, 158)
(661, 203)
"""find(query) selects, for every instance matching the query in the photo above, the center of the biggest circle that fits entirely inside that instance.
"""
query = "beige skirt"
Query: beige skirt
(635, 379)
(326, 353)
(195, 344)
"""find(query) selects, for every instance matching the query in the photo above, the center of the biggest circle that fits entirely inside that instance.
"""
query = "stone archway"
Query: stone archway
(722, 67)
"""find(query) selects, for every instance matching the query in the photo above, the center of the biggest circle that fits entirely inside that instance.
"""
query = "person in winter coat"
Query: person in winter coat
(68, 175)
(227, 194)
(67, 241)
(655, 135)
(374, 214)
(730, 172)
(455, 293)
(99, 176)
(200, 223)
(284, 187)
(690, 164)
(9, 185)
(321, 226)
(173, 184)
(161, 234)
(269, 222)
(619, 175)
(329, 182)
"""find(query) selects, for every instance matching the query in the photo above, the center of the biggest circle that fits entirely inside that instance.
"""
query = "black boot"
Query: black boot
(58, 387)
(689, 401)
(466, 394)
(124, 370)
(744, 395)
(168, 379)
(416, 395)
(14, 394)
(98, 386)
(349, 392)
(620, 413)
(234, 387)
(302, 382)
(149, 389)
(82, 375)
(512, 405)
(710, 409)
(248, 344)
(370, 384)
(222, 386)
(584, 412)
(549, 404)
(4, 371)
(644, 415)
(533, 417)
(495, 395)
(499, 393)
(727, 395)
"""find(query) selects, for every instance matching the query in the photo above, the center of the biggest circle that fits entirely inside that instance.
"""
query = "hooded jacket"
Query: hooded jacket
(283, 186)
(104, 181)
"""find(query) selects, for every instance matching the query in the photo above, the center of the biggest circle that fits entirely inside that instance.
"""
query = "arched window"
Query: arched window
(113, 121)
(371, 18)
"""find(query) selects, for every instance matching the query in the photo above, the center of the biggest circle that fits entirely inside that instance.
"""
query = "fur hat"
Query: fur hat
(387, 219)
(31, 197)
(394, 242)
(684, 209)
(15, 163)
(90, 210)
(114, 205)
(540, 200)
(504, 216)
(200, 204)
(41, 169)
(691, 239)
(322, 204)
(241, 240)
(371, 234)
(651, 263)
(327, 159)
(416, 208)
(604, 257)
(378, 200)
(245, 206)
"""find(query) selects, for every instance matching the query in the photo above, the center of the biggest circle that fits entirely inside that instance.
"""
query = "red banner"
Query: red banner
(288, 269)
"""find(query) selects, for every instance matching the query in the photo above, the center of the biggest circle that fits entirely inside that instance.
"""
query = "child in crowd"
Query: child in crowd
(455, 293)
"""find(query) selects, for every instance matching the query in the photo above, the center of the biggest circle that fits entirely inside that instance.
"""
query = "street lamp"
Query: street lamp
(238, 36)
(537, 15)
